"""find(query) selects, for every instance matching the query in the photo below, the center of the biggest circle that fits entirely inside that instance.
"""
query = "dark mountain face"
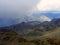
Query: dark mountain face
(55, 22)
(45, 23)
(22, 26)
(34, 26)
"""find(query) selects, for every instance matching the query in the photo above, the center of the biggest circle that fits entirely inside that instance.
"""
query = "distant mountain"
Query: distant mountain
(20, 27)
(55, 22)
(45, 23)
(29, 29)
(34, 27)
(29, 18)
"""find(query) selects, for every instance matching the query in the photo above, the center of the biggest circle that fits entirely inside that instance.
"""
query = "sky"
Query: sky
(16, 11)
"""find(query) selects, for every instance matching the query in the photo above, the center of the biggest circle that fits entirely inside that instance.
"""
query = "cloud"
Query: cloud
(15, 10)
(49, 5)
(45, 8)
(44, 18)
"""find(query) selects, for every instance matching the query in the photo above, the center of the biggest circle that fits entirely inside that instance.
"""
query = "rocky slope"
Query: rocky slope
(8, 37)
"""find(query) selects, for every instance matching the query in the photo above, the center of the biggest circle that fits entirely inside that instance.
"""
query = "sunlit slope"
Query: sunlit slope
(53, 34)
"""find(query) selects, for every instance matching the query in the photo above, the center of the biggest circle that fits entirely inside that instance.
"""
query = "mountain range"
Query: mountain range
(10, 21)
(31, 33)
(34, 27)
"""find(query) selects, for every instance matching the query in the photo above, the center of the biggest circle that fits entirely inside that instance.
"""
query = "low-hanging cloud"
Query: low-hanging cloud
(15, 9)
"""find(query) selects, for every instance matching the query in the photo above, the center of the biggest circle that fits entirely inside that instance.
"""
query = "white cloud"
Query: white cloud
(44, 18)
(49, 5)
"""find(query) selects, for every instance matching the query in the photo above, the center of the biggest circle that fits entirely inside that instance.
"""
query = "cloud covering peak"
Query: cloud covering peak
(15, 10)
(44, 18)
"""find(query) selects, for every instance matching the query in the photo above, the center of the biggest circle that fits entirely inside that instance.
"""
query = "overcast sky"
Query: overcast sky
(14, 11)
(16, 8)
(21, 10)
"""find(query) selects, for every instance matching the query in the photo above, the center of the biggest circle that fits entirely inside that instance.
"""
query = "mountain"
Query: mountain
(33, 33)
(29, 18)
(34, 28)
(45, 23)
(20, 27)
(30, 29)
(55, 22)
(53, 34)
